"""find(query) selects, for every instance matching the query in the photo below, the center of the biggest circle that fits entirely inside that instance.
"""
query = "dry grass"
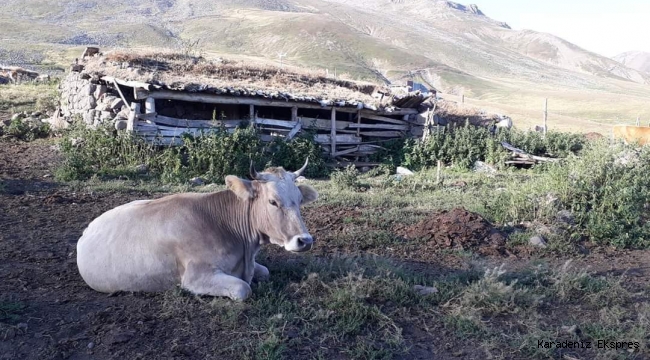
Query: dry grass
(183, 70)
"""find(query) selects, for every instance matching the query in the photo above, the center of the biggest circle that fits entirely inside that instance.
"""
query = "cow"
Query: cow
(206, 243)
(632, 134)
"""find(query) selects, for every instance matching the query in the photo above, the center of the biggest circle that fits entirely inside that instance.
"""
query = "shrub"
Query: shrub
(27, 130)
(606, 188)
(346, 178)
(463, 146)
(105, 152)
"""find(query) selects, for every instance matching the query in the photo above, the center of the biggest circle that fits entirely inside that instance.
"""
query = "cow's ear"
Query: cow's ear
(242, 188)
(309, 194)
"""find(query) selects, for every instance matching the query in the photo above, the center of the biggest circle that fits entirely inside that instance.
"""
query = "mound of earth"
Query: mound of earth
(458, 229)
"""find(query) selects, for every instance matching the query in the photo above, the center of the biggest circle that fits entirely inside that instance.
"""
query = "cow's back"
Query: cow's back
(125, 249)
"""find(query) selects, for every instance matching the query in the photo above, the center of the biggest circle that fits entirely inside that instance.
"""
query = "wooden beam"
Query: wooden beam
(164, 120)
(382, 118)
(340, 139)
(323, 124)
(280, 123)
(380, 126)
(133, 84)
(295, 130)
(251, 111)
(333, 133)
(222, 99)
(135, 111)
(119, 91)
(388, 134)
(150, 106)
(294, 114)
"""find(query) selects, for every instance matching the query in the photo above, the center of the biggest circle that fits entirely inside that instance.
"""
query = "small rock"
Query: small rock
(142, 168)
(17, 116)
(22, 327)
(425, 290)
(538, 241)
(566, 217)
(404, 171)
(90, 345)
(278, 316)
(364, 169)
(36, 114)
(482, 167)
(118, 337)
(5, 122)
(121, 124)
(571, 330)
(197, 181)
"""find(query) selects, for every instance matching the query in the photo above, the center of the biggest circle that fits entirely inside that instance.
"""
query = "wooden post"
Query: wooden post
(358, 122)
(294, 114)
(545, 115)
(638, 121)
(462, 99)
(333, 132)
(133, 115)
(251, 112)
(438, 172)
(150, 106)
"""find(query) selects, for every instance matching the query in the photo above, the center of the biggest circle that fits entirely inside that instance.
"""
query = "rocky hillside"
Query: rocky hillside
(376, 38)
(637, 60)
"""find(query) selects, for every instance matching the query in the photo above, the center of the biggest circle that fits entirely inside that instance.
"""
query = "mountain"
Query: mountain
(454, 47)
(637, 60)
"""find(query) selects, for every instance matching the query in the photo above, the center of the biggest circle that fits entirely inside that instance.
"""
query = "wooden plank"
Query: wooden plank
(150, 106)
(119, 91)
(222, 99)
(294, 114)
(380, 126)
(340, 139)
(135, 111)
(295, 130)
(164, 120)
(323, 124)
(390, 134)
(333, 133)
(273, 122)
(173, 132)
(366, 115)
(133, 84)
(163, 141)
(139, 93)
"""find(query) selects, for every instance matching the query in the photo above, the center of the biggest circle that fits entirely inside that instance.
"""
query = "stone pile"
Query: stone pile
(83, 97)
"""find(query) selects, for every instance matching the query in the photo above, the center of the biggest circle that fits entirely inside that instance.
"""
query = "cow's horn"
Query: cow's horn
(253, 172)
(299, 171)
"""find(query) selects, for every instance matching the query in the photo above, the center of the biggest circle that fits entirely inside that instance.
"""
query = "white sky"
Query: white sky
(607, 27)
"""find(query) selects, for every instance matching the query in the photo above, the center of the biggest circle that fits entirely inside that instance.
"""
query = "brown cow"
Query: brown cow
(632, 134)
(207, 243)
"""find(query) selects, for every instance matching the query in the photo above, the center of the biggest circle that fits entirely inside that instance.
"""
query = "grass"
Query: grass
(28, 97)
(361, 309)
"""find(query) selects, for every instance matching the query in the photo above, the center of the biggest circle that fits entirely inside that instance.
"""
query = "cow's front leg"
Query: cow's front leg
(204, 280)
(261, 273)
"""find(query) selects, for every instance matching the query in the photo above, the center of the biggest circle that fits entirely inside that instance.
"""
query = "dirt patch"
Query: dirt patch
(457, 229)
(593, 136)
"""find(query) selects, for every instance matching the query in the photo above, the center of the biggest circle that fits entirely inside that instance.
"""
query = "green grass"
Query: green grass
(28, 97)
(360, 308)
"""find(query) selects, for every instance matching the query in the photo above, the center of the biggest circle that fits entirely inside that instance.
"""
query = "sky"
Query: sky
(606, 27)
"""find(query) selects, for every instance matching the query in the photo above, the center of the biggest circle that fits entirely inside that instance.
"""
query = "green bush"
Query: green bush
(606, 188)
(462, 146)
(106, 153)
(27, 130)
(346, 178)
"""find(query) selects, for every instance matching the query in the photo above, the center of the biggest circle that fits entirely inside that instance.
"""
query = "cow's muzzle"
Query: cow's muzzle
(300, 243)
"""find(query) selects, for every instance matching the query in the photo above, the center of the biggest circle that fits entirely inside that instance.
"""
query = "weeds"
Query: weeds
(106, 153)
(26, 130)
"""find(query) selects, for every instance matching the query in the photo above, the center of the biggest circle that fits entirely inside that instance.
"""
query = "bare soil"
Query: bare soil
(55, 315)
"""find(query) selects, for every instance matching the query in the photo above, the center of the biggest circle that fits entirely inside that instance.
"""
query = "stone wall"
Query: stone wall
(87, 99)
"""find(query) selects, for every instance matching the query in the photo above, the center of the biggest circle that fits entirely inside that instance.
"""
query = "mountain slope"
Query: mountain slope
(637, 60)
(456, 48)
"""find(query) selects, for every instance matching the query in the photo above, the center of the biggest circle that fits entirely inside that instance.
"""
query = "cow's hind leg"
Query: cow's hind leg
(203, 280)
(261, 273)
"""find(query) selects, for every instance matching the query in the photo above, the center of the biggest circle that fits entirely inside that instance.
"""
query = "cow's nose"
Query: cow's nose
(305, 240)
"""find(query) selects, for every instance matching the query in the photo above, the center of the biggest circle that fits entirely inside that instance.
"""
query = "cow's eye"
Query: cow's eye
(273, 202)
